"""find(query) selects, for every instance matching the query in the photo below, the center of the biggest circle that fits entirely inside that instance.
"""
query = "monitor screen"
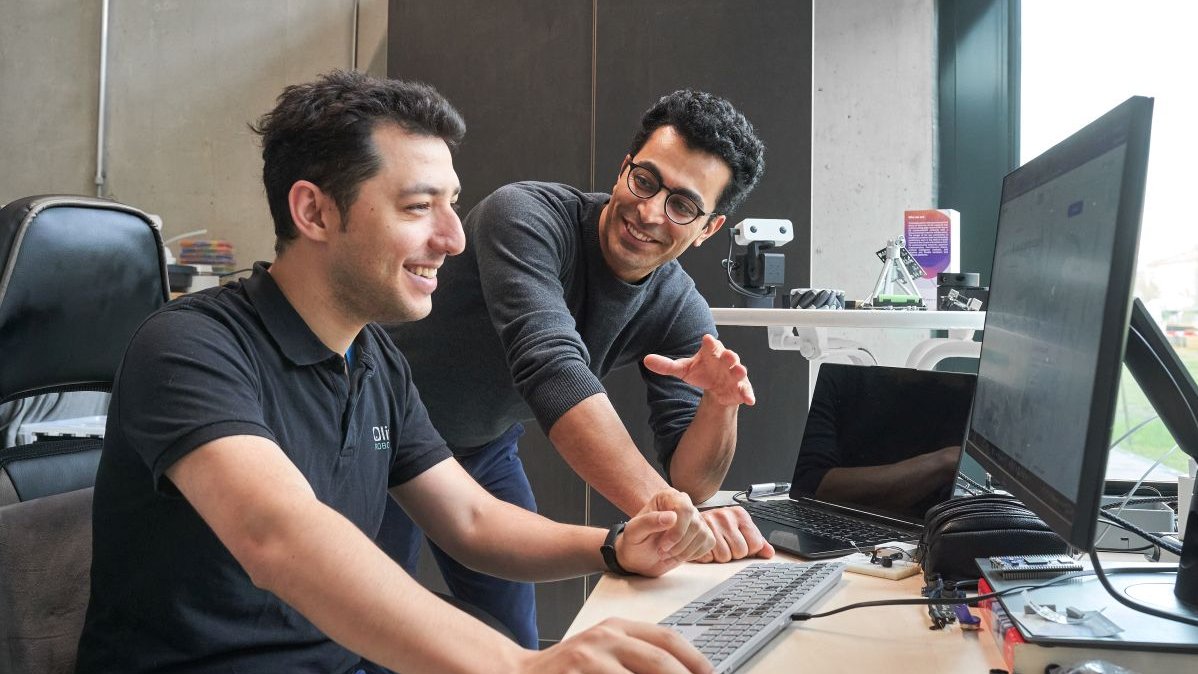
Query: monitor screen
(1057, 318)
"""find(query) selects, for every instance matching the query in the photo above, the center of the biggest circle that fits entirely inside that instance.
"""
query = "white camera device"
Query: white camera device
(775, 231)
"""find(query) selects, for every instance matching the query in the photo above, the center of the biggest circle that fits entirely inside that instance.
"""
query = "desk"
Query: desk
(884, 639)
(805, 331)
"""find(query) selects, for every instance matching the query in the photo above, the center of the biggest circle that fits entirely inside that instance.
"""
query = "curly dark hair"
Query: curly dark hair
(709, 123)
(321, 132)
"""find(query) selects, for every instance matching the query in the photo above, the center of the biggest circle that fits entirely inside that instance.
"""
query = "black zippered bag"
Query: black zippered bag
(961, 529)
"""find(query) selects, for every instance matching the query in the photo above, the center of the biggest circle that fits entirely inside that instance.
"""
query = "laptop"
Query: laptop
(881, 446)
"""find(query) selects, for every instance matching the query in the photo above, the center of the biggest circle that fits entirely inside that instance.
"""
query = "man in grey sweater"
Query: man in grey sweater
(557, 288)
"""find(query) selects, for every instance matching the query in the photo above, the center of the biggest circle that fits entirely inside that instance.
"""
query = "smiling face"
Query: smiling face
(398, 231)
(635, 235)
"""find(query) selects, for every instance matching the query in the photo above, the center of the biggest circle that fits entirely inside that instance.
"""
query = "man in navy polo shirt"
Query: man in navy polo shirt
(256, 429)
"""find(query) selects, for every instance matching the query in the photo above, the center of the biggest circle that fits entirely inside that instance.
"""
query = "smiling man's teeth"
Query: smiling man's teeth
(637, 235)
(426, 272)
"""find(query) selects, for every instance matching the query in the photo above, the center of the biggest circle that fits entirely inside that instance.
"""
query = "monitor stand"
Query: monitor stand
(1143, 582)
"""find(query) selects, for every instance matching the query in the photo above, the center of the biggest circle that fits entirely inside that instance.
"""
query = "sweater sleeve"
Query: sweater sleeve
(525, 242)
(673, 402)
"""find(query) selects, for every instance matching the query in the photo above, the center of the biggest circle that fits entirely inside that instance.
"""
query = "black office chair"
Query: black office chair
(77, 276)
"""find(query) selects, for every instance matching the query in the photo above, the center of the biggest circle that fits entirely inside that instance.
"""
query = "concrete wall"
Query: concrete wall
(184, 80)
(186, 77)
(874, 142)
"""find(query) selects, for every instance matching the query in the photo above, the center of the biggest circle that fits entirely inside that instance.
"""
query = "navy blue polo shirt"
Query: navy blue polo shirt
(166, 595)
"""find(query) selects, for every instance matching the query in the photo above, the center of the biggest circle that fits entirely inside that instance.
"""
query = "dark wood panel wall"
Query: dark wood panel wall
(554, 90)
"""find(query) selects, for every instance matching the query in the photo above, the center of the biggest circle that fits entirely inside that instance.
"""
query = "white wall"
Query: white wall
(184, 80)
(874, 142)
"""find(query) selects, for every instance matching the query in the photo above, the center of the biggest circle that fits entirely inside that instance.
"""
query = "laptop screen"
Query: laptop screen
(884, 439)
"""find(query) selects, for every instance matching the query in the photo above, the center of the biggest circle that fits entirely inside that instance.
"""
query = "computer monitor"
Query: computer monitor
(1164, 379)
(1173, 394)
(1057, 319)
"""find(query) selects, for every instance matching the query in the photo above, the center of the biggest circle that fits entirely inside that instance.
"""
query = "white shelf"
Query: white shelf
(852, 318)
(806, 331)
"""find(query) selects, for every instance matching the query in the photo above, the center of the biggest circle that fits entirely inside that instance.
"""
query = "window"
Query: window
(1079, 59)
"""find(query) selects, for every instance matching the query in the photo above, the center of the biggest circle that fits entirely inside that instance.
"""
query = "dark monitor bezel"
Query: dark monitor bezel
(1164, 379)
(1129, 124)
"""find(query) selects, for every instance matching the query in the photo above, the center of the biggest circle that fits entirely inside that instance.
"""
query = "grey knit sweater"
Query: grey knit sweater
(529, 318)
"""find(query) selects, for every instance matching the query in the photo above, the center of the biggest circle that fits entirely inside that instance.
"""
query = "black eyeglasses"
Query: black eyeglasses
(680, 209)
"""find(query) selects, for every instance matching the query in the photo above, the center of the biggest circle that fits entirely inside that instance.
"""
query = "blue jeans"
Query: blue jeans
(497, 467)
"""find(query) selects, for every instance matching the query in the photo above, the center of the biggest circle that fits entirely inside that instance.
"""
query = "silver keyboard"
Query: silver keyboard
(733, 620)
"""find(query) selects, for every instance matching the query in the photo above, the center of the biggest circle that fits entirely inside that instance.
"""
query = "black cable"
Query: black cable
(1142, 548)
(1146, 535)
(1140, 501)
(972, 601)
(963, 585)
(741, 497)
(1142, 608)
(730, 264)
(929, 601)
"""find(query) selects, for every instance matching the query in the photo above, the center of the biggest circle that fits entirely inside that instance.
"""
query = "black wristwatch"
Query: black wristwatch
(608, 549)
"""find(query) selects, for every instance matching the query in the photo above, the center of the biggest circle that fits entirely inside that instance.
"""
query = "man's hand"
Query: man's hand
(714, 369)
(617, 645)
(665, 533)
(736, 536)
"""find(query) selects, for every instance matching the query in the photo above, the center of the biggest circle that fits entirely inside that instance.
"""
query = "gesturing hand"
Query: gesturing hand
(715, 369)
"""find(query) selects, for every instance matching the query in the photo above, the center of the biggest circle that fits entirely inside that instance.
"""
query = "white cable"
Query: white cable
(1131, 492)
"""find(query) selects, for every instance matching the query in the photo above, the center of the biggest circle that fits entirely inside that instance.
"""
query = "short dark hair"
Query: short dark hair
(321, 132)
(710, 124)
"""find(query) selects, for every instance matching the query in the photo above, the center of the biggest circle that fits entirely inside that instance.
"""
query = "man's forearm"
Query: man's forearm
(330, 572)
(897, 485)
(705, 451)
(593, 440)
(317, 561)
(501, 539)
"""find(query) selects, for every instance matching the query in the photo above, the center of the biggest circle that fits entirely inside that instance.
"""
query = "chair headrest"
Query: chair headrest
(77, 276)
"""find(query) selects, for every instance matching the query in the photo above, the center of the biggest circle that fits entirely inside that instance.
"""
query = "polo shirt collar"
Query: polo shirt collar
(295, 339)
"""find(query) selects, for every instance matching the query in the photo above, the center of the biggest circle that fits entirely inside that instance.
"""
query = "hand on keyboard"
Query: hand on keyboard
(617, 645)
(736, 536)
(665, 533)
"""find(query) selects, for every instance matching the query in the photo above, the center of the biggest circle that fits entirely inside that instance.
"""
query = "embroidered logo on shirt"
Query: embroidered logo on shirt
(382, 437)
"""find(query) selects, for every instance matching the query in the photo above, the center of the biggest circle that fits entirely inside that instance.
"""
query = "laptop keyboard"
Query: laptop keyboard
(825, 523)
(733, 620)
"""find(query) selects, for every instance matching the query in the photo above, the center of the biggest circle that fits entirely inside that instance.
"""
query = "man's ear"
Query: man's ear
(311, 210)
(623, 166)
(713, 225)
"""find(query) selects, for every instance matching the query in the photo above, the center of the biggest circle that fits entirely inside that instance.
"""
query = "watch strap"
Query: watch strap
(608, 550)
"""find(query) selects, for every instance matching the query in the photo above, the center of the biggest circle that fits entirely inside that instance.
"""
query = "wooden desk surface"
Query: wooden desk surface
(883, 639)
